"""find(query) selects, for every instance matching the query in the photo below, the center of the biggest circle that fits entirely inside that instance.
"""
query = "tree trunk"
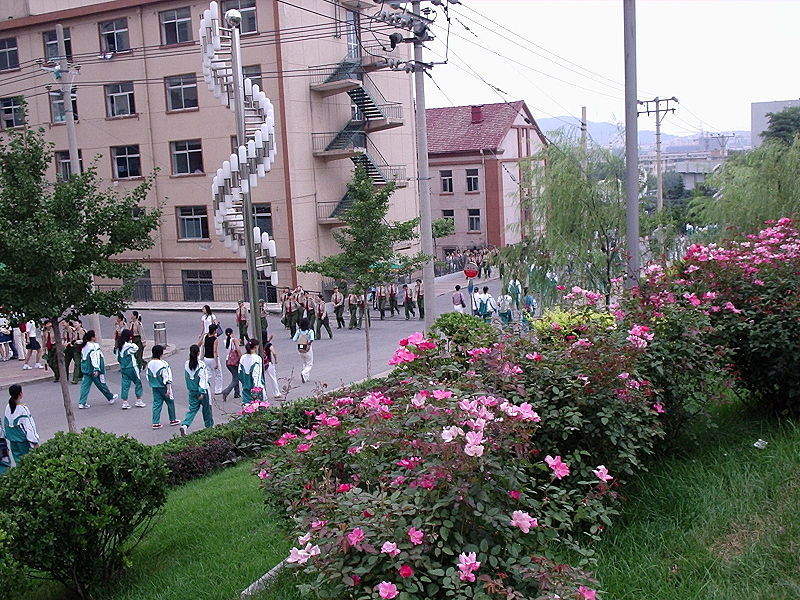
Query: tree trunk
(62, 377)
(366, 340)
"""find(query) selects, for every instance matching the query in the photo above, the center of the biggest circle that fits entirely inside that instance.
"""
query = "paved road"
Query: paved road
(337, 362)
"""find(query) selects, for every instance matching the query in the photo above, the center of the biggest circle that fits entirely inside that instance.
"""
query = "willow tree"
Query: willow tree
(573, 204)
(368, 242)
(753, 187)
(55, 238)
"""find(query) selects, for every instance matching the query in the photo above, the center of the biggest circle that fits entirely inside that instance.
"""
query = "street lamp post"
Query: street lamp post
(254, 156)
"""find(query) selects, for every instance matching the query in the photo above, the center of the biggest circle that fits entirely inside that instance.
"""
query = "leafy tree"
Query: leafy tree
(751, 188)
(367, 241)
(576, 226)
(784, 126)
(55, 238)
(441, 228)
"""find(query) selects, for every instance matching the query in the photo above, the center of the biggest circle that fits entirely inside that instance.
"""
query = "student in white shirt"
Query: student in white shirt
(305, 338)
(93, 367)
(33, 346)
(196, 375)
(485, 304)
(18, 426)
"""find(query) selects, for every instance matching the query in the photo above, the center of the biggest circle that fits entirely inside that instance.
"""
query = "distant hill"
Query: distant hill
(609, 134)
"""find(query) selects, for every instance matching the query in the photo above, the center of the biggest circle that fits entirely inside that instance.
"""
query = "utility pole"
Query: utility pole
(660, 114)
(234, 19)
(584, 161)
(722, 140)
(631, 145)
(67, 77)
(423, 176)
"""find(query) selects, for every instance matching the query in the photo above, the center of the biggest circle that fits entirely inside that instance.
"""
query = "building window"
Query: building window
(474, 219)
(192, 223)
(51, 45)
(353, 29)
(198, 286)
(253, 72)
(176, 26)
(262, 216)
(114, 36)
(12, 112)
(57, 113)
(187, 157)
(248, 10)
(472, 180)
(119, 99)
(63, 166)
(266, 291)
(181, 92)
(9, 56)
(446, 178)
(449, 213)
(126, 161)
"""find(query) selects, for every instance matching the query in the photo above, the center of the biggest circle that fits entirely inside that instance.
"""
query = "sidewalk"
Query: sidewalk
(444, 284)
(11, 372)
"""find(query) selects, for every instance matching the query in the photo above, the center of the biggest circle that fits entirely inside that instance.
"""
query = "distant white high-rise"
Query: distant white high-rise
(759, 120)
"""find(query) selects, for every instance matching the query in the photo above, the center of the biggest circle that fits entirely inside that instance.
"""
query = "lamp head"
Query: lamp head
(233, 18)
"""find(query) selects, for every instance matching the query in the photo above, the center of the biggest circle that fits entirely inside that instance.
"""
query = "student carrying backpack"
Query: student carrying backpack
(305, 338)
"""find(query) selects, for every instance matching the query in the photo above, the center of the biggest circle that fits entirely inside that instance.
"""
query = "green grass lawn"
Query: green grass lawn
(719, 524)
(214, 539)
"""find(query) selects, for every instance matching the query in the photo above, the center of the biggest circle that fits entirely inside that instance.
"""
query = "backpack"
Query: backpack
(234, 356)
(483, 307)
(504, 303)
(303, 343)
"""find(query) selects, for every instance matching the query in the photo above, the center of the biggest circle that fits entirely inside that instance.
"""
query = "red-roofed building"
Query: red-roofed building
(474, 154)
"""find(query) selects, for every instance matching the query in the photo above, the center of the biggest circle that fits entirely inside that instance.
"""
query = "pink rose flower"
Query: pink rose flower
(343, 488)
(601, 472)
(262, 474)
(356, 536)
(521, 519)
(533, 356)
(387, 590)
(659, 408)
(406, 571)
(390, 548)
(467, 565)
(587, 593)
(559, 467)
(415, 535)
(514, 494)
(303, 447)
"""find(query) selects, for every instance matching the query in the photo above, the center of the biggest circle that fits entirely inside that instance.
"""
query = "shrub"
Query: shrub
(12, 579)
(466, 469)
(196, 461)
(750, 289)
(686, 368)
(80, 502)
(462, 331)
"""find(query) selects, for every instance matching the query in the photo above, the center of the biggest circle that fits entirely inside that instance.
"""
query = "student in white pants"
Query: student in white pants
(304, 337)
(270, 360)
(211, 357)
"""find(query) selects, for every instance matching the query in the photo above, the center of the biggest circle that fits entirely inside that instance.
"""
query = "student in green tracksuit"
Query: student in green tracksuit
(159, 376)
(93, 367)
(251, 369)
(196, 374)
(18, 427)
(129, 369)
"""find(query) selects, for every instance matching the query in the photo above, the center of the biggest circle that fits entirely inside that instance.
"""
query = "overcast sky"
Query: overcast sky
(715, 56)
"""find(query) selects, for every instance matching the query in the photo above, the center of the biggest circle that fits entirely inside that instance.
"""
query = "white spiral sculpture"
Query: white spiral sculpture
(254, 158)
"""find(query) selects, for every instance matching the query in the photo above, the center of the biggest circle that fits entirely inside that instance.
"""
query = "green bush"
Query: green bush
(80, 501)
(12, 579)
(464, 331)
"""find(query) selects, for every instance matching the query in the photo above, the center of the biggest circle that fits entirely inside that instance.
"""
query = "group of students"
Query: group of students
(482, 304)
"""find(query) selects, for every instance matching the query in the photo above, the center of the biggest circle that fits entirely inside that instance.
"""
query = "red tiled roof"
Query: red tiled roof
(451, 129)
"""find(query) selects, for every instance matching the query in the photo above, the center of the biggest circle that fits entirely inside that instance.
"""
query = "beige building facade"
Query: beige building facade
(143, 107)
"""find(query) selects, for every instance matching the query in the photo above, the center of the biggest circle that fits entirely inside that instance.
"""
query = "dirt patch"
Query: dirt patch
(741, 536)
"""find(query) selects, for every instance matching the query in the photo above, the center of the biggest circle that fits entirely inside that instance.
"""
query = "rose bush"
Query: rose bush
(428, 490)
(750, 289)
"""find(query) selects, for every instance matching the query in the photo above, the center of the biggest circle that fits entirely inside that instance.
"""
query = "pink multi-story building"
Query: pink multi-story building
(142, 105)
(474, 154)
